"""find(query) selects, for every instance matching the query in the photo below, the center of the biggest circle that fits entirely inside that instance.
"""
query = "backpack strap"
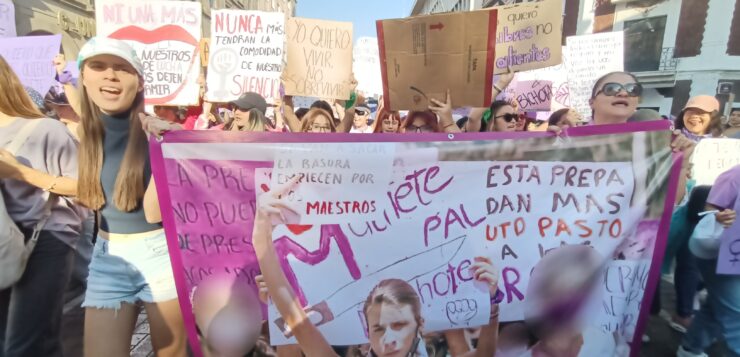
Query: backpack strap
(22, 135)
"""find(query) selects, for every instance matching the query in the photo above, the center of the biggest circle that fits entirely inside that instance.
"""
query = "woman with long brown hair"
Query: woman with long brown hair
(130, 261)
(38, 171)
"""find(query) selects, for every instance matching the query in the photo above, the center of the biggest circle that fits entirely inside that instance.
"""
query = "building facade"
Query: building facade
(677, 48)
(75, 19)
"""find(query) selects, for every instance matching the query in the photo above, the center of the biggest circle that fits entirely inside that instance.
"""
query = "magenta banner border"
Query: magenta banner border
(168, 221)
(207, 136)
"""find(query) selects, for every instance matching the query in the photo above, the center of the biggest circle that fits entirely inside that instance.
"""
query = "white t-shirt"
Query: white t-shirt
(595, 343)
(367, 130)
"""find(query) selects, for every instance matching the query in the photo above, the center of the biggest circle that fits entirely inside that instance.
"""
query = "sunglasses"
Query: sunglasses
(612, 89)
(508, 117)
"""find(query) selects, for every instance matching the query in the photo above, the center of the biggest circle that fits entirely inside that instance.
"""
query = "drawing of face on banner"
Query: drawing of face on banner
(392, 313)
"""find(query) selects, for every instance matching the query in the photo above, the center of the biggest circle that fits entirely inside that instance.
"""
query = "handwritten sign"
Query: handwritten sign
(319, 58)
(165, 35)
(31, 59)
(366, 67)
(542, 216)
(534, 95)
(322, 168)
(424, 56)
(712, 157)
(246, 54)
(529, 35)
(7, 18)
(558, 75)
(590, 57)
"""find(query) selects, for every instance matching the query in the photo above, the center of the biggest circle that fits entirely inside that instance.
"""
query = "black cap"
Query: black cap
(251, 100)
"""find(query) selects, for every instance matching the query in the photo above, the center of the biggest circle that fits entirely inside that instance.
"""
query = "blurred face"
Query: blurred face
(505, 119)
(616, 99)
(735, 118)
(392, 329)
(696, 121)
(111, 83)
(389, 125)
(321, 124)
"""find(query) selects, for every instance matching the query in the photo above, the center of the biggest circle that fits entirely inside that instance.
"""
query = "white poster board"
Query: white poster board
(590, 57)
(166, 37)
(246, 54)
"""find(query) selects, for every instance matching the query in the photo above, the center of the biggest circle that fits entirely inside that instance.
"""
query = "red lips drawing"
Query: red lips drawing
(164, 33)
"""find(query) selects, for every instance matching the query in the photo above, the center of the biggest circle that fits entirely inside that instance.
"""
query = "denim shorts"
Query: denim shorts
(130, 268)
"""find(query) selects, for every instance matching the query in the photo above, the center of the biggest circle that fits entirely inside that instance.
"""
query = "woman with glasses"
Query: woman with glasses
(420, 122)
(614, 98)
(501, 117)
(318, 120)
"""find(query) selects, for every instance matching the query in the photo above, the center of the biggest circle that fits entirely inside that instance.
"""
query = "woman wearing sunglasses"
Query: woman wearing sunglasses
(420, 122)
(614, 98)
(501, 117)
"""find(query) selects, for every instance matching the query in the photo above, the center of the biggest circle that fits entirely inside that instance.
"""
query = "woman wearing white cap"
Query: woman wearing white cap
(130, 261)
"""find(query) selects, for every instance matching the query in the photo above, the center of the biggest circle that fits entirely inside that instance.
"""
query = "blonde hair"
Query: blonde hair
(256, 121)
(129, 189)
(311, 116)
(15, 101)
(395, 292)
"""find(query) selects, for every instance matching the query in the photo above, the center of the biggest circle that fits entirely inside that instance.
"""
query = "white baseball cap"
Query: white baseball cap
(108, 46)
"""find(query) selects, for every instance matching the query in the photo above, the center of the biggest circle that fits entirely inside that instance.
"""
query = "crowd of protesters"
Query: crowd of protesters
(86, 167)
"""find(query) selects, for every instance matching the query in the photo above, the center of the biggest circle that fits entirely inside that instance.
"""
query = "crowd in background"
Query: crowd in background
(87, 168)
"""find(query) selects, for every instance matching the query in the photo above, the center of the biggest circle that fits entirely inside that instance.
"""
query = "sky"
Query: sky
(362, 14)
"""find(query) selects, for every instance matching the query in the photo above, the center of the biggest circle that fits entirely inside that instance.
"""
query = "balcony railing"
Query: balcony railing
(667, 61)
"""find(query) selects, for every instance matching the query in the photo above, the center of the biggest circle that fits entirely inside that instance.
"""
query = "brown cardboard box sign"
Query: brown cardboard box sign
(423, 56)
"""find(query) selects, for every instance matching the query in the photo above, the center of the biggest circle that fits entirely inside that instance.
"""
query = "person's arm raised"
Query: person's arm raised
(484, 271)
(349, 113)
(269, 206)
(444, 112)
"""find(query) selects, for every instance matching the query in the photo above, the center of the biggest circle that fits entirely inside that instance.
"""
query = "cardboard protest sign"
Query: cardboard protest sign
(558, 75)
(246, 54)
(712, 157)
(588, 220)
(319, 58)
(7, 19)
(529, 35)
(590, 57)
(165, 35)
(421, 57)
(31, 59)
